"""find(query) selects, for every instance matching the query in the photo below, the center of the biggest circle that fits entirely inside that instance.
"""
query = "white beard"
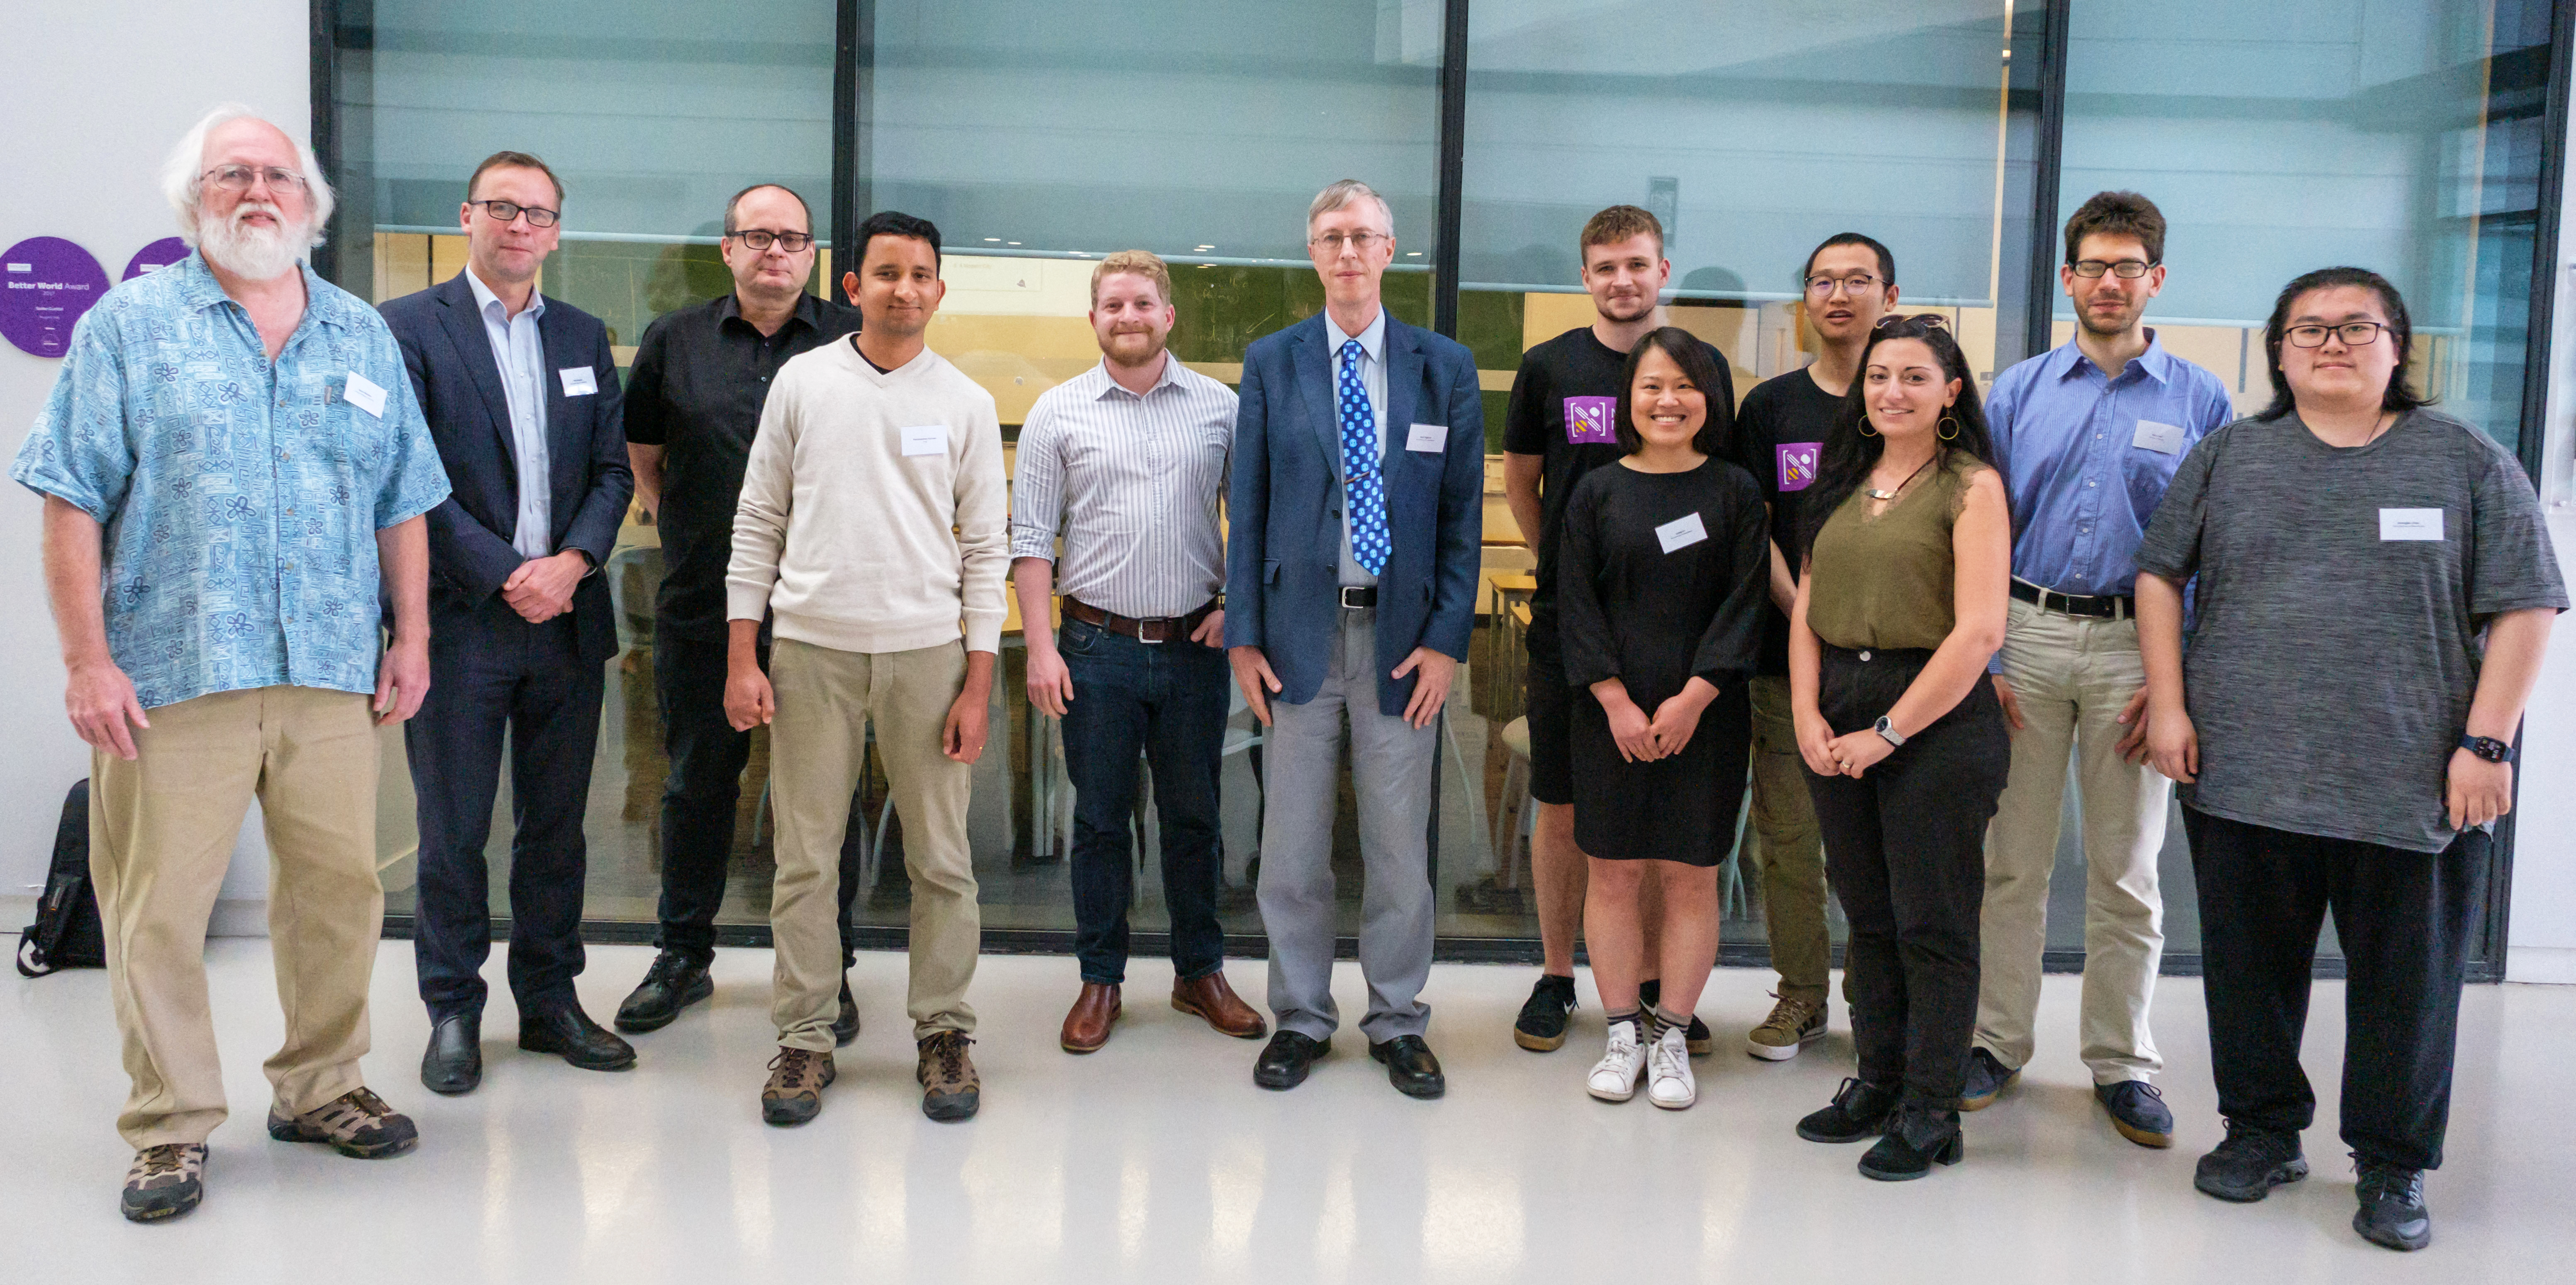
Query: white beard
(255, 253)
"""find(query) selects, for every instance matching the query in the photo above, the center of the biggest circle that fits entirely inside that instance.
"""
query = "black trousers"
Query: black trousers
(2405, 920)
(491, 673)
(702, 790)
(1905, 849)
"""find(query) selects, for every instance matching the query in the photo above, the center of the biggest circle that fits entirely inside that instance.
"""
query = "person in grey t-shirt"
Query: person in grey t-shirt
(2375, 591)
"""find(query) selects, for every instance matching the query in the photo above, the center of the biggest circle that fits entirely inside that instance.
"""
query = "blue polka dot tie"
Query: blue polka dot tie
(1364, 485)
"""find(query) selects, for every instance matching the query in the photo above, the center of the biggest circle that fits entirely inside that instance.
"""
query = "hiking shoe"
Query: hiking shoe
(794, 1093)
(1986, 1080)
(2250, 1164)
(165, 1182)
(2138, 1112)
(1541, 1025)
(1859, 1110)
(1614, 1077)
(1668, 1075)
(949, 1087)
(2392, 1209)
(356, 1123)
(1794, 1024)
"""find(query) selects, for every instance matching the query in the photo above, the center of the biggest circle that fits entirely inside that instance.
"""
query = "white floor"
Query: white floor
(1157, 1160)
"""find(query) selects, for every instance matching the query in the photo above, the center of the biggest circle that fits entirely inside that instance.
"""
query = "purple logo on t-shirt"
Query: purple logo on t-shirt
(1798, 464)
(1588, 420)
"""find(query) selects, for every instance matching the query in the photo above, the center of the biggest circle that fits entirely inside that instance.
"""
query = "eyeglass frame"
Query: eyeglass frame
(1851, 285)
(2377, 328)
(2112, 268)
(552, 218)
(280, 178)
(745, 236)
(1361, 241)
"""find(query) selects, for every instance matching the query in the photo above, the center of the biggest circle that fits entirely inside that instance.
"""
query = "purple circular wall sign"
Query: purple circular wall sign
(154, 257)
(46, 283)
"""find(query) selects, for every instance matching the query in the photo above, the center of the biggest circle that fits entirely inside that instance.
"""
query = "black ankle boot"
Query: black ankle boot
(1858, 1111)
(1918, 1136)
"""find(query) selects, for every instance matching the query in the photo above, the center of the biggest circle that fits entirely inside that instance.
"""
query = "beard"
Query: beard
(255, 253)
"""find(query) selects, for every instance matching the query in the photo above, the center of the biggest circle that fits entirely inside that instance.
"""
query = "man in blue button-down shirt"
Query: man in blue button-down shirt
(2088, 435)
(233, 466)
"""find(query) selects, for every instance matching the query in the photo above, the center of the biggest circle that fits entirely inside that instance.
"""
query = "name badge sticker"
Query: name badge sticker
(1427, 437)
(579, 381)
(363, 394)
(925, 439)
(1682, 532)
(1588, 421)
(2163, 439)
(2410, 524)
(1798, 464)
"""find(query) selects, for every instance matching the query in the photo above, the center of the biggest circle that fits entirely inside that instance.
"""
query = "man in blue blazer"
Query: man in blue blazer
(521, 395)
(1355, 519)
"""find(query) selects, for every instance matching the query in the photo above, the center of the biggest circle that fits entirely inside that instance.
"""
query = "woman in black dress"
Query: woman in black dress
(1661, 583)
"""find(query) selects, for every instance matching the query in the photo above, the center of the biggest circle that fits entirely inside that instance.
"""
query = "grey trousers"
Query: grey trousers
(1391, 772)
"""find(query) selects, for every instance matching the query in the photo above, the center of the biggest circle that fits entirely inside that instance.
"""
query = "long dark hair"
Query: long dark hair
(2400, 394)
(1850, 454)
(1715, 436)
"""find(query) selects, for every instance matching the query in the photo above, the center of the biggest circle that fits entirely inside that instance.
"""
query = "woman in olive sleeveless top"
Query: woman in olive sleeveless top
(1901, 603)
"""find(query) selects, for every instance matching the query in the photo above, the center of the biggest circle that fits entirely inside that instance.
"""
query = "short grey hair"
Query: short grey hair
(183, 175)
(1349, 191)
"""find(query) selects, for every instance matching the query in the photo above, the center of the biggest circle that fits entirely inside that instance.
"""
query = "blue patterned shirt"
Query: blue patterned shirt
(240, 498)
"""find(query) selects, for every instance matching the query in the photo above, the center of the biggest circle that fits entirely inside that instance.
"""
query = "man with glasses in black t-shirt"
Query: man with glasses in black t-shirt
(1558, 428)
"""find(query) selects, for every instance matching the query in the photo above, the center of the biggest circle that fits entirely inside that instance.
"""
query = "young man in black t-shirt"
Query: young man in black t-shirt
(1850, 282)
(1558, 428)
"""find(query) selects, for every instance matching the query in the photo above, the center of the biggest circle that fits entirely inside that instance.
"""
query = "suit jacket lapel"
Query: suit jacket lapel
(567, 447)
(1315, 388)
(465, 329)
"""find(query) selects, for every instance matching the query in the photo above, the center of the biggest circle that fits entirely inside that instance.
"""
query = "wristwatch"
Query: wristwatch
(2485, 747)
(1887, 728)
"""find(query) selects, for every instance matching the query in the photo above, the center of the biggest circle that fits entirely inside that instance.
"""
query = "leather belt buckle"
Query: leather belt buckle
(1153, 633)
(1359, 597)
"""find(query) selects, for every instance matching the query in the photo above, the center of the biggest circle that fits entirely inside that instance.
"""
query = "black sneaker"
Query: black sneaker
(1541, 1025)
(1650, 993)
(2138, 1111)
(2250, 1164)
(1986, 1080)
(2392, 1209)
(1859, 1111)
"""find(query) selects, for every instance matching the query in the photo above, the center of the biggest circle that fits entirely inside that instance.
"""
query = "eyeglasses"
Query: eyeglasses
(2125, 269)
(239, 178)
(1822, 287)
(763, 238)
(2354, 334)
(1331, 242)
(504, 211)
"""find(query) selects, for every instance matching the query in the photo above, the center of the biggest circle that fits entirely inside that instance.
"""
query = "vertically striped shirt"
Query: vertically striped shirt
(1132, 482)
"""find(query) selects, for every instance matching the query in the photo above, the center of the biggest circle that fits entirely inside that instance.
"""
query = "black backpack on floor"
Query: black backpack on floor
(66, 932)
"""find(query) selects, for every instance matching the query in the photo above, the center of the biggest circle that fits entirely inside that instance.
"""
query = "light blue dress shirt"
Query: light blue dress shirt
(521, 356)
(1373, 378)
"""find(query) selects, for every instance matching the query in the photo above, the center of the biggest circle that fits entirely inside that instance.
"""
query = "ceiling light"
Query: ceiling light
(994, 239)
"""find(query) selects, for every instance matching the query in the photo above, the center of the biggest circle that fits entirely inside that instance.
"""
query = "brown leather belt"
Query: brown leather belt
(1158, 629)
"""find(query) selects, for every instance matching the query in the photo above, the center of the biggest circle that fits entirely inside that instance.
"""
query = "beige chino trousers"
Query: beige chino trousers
(817, 745)
(2071, 676)
(161, 835)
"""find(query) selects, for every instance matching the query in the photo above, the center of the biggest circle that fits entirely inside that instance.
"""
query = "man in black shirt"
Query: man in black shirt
(1850, 282)
(692, 406)
(1558, 428)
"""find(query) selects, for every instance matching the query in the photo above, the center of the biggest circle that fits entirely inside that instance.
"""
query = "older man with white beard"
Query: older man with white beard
(233, 466)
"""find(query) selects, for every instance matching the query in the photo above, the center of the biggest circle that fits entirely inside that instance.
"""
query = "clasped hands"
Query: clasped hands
(541, 588)
(1642, 739)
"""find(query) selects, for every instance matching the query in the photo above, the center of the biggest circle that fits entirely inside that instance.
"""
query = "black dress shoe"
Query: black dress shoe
(1286, 1059)
(674, 982)
(845, 1026)
(453, 1063)
(1410, 1067)
(566, 1030)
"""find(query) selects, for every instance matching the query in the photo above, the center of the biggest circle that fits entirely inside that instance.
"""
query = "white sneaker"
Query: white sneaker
(1614, 1077)
(1668, 1074)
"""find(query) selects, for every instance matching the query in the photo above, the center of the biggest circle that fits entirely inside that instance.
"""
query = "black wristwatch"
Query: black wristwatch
(2488, 748)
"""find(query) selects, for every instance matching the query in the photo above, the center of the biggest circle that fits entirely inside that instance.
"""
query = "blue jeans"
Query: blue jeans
(1167, 701)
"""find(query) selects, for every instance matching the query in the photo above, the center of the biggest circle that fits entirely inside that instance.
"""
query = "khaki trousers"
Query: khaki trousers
(817, 745)
(2071, 676)
(161, 835)
(1790, 857)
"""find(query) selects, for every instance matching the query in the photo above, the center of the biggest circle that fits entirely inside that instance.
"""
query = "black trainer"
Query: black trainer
(1986, 1080)
(1541, 1025)
(2392, 1209)
(2250, 1164)
(1859, 1111)
(1650, 993)
(2138, 1111)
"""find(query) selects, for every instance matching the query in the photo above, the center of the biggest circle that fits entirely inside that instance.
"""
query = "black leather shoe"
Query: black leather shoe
(1917, 1137)
(1287, 1058)
(566, 1030)
(845, 1026)
(1410, 1067)
(674, 982)
(453, 1063)
(1859, 1110)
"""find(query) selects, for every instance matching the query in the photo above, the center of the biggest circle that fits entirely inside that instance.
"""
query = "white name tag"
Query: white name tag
(1428, 437)
(2410, 524)
(363, 394)
(2163, 439)
(1682, 532)
(925, 439)
(579, 381)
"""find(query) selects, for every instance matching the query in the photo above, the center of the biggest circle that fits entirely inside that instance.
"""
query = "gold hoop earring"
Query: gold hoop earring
(1952, 427)
(1865, 429)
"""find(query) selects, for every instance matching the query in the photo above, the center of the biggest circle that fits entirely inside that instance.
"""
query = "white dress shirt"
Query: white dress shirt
(1373, 379)
(521, 357)
(1133, 481)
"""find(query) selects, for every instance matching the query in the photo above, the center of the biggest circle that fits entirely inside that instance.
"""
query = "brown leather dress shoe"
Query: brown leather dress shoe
(1210, 998)
(1086, 1028)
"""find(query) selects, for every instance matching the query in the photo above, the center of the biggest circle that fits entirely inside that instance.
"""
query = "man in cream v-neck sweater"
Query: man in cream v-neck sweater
(873, 521)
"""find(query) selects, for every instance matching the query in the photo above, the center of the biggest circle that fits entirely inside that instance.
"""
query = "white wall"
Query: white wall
(2541, 944)
(96, 94)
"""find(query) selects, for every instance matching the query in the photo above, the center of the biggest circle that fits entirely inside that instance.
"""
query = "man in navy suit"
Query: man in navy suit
(1357, 508)
(521, 395)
